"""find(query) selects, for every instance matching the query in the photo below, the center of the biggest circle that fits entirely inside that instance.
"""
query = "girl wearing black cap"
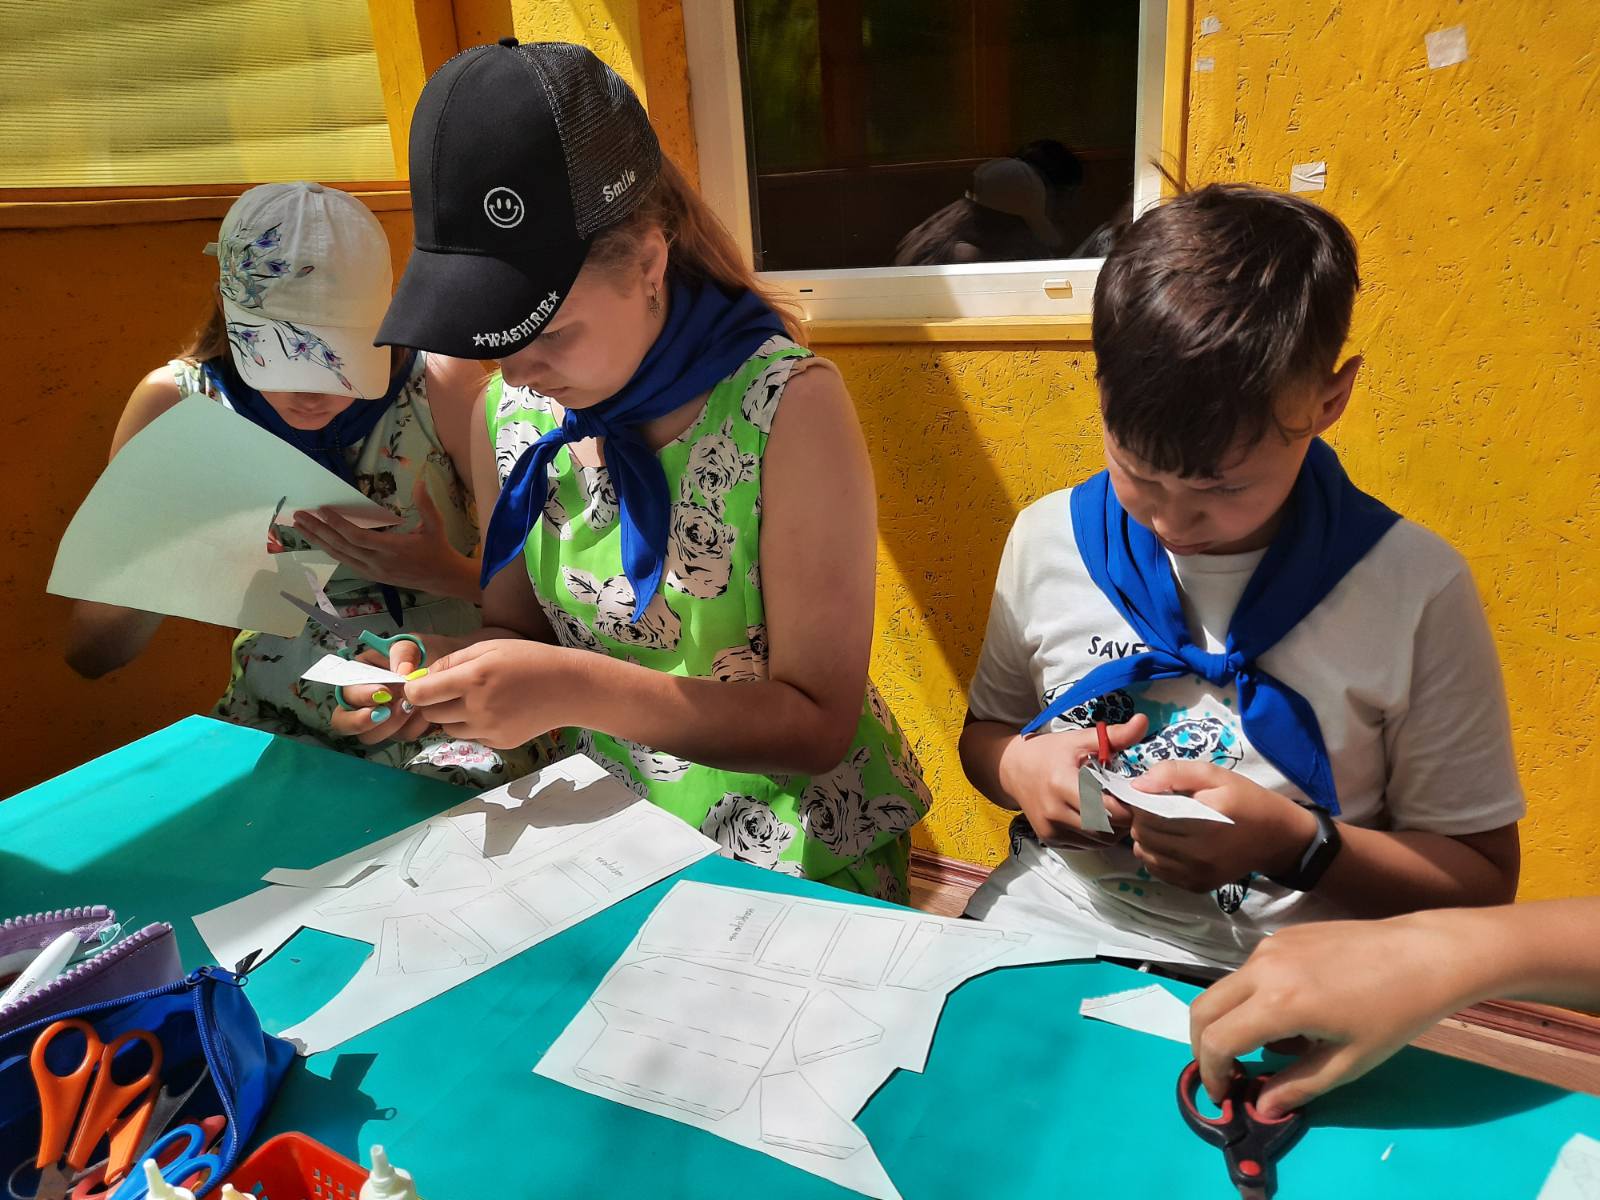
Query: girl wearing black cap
(680, 563)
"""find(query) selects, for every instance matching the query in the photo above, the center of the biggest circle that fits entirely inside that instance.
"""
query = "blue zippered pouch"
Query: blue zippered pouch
(208, 1032)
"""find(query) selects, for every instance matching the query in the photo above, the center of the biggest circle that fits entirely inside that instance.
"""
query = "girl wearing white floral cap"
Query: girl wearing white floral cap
(287, 343)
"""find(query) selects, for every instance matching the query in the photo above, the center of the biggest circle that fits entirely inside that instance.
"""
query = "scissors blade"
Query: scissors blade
(54, 1183)
(347, 631)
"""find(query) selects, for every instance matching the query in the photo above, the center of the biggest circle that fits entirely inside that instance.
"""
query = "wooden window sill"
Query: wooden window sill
(56, 208)
(1067, 330)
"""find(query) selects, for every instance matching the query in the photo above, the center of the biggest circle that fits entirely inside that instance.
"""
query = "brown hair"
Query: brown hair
(209, 341)
(1207, 309)
(699, 246)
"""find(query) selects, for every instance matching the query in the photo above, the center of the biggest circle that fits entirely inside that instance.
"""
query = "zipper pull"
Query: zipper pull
(216, 973)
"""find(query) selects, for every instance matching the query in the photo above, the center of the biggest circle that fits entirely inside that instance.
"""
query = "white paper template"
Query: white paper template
(1576, 1175)
(1446, 47)
(348, 672)
(450, 897)
(1152, 1010)
(177, 523)
(770, 1020)
(1308, 177)
(1172, 806)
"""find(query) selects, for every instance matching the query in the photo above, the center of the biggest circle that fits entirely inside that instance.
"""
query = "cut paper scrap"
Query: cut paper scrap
(1172, 806)
(1152, 1010)
(1210, 25)
(448, 898)
(177, 523)
(1576, 1175)
(770, 1020)
(1446, 47)
(1308, 177)
(348, 672)
(1205, 63)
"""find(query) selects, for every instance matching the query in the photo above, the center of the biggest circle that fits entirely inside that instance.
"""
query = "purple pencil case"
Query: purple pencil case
(136, 962)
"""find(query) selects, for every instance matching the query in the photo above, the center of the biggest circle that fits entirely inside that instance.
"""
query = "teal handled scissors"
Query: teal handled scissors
(354, 637)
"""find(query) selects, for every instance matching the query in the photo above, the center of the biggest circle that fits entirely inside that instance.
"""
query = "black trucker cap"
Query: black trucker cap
(519, 155)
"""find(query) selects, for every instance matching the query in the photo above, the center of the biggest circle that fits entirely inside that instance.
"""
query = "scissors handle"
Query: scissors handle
(60, 1096)
(384, 645)
(109, 1100)
(183, 1159)
(1251, 1143)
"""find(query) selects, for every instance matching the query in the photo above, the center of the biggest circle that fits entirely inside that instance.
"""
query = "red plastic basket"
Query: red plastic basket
(292, 1166)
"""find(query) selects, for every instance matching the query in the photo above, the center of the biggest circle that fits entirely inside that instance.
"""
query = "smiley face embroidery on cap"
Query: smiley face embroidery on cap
(503, 207)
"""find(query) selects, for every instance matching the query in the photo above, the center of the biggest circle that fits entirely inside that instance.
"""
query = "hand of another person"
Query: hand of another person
(1350, 993)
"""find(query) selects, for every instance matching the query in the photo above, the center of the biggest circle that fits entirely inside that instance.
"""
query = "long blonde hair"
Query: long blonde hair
(699, 246)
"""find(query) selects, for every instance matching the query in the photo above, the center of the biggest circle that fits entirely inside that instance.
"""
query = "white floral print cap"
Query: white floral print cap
(305, 281)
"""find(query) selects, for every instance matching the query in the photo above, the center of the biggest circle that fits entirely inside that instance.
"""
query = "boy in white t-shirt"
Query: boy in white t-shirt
(1262, 635)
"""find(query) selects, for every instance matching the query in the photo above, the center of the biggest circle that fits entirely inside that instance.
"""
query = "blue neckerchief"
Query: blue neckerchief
(326, 446)
(1329, 527)
(707, 336)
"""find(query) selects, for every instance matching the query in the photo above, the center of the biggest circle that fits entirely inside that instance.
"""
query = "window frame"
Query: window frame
(986, 301)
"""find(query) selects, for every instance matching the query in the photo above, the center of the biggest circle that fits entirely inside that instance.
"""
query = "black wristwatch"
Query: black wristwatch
(1324, 848)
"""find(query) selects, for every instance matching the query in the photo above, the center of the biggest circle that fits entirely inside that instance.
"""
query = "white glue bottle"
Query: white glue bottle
(386, 1182)
(159, 1188)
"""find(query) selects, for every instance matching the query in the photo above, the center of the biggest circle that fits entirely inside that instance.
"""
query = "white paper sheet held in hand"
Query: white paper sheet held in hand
(349, 672)
(1094, 779)
(177, 523)
(770, 1020)
(446, 899)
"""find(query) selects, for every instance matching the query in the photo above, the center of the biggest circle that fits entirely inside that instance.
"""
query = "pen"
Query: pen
(48, 964)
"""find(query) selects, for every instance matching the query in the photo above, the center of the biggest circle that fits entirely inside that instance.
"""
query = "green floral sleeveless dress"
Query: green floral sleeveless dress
(265, 690)
(849, 827)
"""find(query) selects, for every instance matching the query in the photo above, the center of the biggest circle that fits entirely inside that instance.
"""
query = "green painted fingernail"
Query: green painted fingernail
(380, 715)
(381, 696)
(417, 674)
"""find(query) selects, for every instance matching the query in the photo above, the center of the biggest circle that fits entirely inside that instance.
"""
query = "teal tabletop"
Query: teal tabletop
(1021, 1096)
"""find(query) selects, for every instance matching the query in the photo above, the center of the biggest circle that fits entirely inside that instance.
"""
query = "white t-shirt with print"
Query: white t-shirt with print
(1397, 662)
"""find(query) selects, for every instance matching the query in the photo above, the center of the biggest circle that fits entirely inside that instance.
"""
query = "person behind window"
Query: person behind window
(1005, 216)
(1254, 630)
(679, 566)
(287, 344)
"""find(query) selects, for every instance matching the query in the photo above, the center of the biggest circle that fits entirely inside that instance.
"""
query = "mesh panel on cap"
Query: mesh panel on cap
(604, 132)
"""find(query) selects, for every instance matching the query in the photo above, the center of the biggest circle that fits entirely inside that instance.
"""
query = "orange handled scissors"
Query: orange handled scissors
(91, 1099)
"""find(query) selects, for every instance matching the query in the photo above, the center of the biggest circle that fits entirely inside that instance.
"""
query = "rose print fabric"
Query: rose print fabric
(849, 827)
(265, 690)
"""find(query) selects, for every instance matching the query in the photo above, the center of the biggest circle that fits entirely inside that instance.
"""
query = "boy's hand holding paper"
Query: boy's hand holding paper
(1043, 773)
(1250, 828)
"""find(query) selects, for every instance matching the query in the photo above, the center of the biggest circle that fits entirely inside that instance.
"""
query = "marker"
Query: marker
(46, 966)
(1105, 743)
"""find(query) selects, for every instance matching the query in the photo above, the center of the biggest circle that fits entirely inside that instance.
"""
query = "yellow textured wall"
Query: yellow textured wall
(1472, 190)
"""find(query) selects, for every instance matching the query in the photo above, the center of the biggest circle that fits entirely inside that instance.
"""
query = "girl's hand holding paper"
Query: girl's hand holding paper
(501, 693)
(1267, 833)
(382, 712)
(422, 559)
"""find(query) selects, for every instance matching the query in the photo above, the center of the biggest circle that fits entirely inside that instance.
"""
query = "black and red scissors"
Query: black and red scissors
(1251, 1143)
